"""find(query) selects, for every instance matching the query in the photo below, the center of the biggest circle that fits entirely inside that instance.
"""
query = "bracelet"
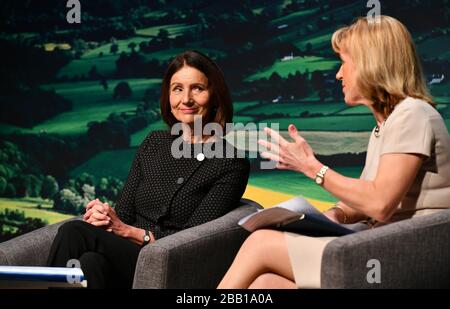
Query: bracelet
(343, 212)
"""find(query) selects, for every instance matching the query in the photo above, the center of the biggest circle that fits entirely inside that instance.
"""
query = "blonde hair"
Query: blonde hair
(386, 62)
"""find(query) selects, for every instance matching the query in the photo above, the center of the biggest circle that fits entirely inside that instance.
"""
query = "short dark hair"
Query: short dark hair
(221, 106)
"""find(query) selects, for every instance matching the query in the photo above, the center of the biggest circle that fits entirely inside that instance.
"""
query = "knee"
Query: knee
(71, 227)
(261, 239)
(91, 258)
(263, 281)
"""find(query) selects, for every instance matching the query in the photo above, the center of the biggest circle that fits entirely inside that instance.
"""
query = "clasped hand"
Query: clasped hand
(102, 215)
(296, 156)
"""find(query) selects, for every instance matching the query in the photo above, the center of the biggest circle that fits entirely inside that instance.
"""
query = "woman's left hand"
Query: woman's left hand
(296, 156)
(115, 224)
(109, 216)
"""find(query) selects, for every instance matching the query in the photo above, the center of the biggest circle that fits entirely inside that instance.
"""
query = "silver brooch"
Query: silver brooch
(376, 132)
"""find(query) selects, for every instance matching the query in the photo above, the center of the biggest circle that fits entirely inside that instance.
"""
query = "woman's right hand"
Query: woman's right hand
(97, 213)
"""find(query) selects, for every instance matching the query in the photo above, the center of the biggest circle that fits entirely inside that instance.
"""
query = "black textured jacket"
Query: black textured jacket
(165, 195)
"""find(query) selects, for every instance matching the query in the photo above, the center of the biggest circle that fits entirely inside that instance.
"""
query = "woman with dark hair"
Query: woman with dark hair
(163, 194)
(221, 108)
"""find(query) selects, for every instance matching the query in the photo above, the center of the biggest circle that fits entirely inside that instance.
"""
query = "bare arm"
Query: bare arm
(377, 199)
(347, 215)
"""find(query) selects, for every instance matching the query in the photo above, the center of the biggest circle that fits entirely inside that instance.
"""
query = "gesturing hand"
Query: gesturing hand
(297, 155)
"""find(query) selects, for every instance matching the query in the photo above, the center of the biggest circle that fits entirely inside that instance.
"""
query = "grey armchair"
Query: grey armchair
(197, 257)
(413, 253)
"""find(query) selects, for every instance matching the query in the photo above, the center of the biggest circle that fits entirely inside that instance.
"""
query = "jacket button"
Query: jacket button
(200, 157)
(180, 180)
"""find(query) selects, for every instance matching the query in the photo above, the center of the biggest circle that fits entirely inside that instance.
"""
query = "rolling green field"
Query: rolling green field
(166, 55)
(243, 119)
(301, 64)
(293, 17)
(240, 105)
(122, 47)
(156, 14)
(442, 91)
(273, 5)
(442, 100)
(317, 42)
(294, 109)
(294, 183)
(322, 142)
(91, 103)
(115, 163)
(88, 93)
(105, 65)
(320, 37)
(138, 137)
(29, 206)
(9, 129)
(360, 110)
(438, 47)
(330, 123)
(173, 30)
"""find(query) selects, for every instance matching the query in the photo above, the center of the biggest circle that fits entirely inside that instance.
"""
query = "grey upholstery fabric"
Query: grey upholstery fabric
(413, 253)
(197, 257)
(193, 258)
(30, 249)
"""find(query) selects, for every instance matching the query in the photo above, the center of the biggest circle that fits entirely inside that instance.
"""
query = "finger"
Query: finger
(276, 137)
(90, 204)
(109, 229)
(271, 147)
(111, 211)
(99, 216)
(100, 223)
(299, 139)
(270, 156)
(308, 150)
(99, 208)
(293, 133)
(281, 166)
(87, 215)
(106, 208)
(91, 220)
(284, 166)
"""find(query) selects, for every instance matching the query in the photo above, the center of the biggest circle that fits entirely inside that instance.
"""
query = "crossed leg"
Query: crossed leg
(262, 262)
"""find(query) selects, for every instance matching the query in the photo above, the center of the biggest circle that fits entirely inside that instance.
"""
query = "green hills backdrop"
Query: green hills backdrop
(77, 99)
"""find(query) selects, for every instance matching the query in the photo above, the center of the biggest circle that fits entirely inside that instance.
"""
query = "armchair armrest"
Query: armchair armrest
(30, 249)
(197, 257)
(413, 253)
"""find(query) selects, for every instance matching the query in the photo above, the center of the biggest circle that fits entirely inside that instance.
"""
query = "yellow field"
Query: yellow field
(268, 198)
(29, 206)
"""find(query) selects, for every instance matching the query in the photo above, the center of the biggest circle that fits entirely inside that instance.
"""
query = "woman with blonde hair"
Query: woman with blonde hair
(407, 169)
